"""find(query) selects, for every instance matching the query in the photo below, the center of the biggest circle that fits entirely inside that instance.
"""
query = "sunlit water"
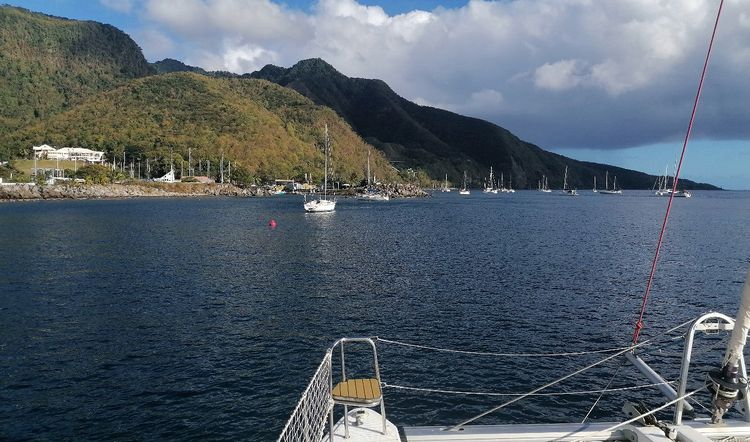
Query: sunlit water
(192, 319)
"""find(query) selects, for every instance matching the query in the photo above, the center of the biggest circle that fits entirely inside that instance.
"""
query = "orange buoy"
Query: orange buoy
(272, 224)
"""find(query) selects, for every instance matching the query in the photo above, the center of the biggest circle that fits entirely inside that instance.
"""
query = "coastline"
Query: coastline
(33, 192)
(27, 192)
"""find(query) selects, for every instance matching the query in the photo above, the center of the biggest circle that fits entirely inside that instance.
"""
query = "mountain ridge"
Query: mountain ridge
(438, 140)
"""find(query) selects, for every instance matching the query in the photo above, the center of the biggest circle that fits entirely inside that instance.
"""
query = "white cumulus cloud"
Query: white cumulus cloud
(559, 76)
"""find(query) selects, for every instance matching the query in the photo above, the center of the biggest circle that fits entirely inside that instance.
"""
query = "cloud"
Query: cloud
(559, 76)
(155, 44)
(559, 73)
(124, 6)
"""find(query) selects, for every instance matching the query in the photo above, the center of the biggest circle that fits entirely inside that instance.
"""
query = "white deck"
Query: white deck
(532, 432)
(371, 429)
(696, 431)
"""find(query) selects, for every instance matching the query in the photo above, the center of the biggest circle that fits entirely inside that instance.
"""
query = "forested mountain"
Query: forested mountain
(49, 64)
(271, 131)
(436, 140)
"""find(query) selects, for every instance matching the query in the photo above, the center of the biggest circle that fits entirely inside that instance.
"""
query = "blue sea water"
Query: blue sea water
(192, 319)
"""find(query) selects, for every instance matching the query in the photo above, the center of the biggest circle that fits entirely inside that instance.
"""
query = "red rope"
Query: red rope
(639, 323)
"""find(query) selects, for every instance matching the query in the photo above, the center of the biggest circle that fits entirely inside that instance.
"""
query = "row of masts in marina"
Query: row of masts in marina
(151, 168)
(492, 186)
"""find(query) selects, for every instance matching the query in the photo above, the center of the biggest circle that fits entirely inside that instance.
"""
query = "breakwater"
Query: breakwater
(24, 191)
(17, 192)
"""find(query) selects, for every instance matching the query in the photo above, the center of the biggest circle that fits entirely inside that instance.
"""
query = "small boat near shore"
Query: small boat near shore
(464, 190)
(322, 204)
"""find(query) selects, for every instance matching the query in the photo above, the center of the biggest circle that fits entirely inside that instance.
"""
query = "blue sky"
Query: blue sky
(610, 82)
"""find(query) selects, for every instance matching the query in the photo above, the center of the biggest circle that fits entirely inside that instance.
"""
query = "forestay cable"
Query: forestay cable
(649, 282)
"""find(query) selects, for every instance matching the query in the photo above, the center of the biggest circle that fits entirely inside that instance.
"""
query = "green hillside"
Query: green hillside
(271, 131)
(49, 64)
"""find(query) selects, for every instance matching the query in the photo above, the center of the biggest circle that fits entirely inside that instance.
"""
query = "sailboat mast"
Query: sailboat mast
(325, 173)
(368, 167)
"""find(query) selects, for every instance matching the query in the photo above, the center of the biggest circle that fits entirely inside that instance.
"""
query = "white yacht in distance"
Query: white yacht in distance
(323, 204)
(664, 189)
(720, 393)
(464, 190)
(490, 185)
(543, 186)
(566, 191)
(606, 190)
(445, 186)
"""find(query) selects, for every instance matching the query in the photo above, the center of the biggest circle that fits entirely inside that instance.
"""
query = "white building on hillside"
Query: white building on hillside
(43, 150)
(76, 154)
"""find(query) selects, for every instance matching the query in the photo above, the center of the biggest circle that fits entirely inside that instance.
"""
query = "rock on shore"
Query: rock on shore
(128, 190)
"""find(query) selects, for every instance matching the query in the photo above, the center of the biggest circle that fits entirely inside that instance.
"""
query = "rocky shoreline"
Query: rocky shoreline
(22, 192)
(19, 192)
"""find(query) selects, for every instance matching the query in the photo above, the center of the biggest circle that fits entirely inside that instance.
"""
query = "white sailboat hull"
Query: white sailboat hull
(677, 193)
(320, 205)
(375, 197)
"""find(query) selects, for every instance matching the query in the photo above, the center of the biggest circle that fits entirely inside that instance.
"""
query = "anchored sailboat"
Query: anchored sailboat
(490, 185)
(566, 191)
(510, 184)
(445, 185)
(543, 186)
(464, 190)
(606, 190)
(664, 189)
(323, 204)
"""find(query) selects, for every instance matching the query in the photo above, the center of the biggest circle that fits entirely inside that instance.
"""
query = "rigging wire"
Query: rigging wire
(536, 355)
(570, 375)
(516, 355)
(649, 282)
(641, 416)
(556, 393)
(605, 391)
